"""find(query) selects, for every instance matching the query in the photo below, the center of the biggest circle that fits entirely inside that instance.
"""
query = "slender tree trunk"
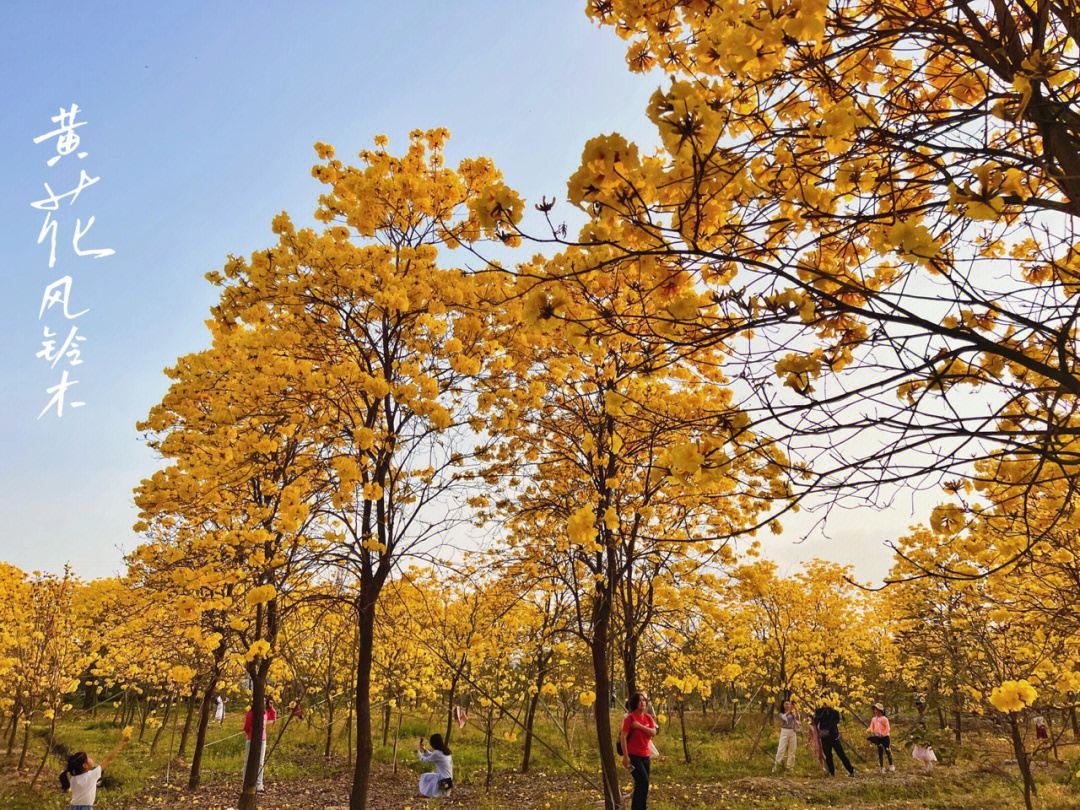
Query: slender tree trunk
(249, 798)
(450, 705)
(145, 716)
(1072, 716)
(397, 734)
(48, 751)
(17, 708)
(958, 718)
(329, 728)
(487, 752)
(187, 725)
(630, 656)
(358, 798)
(941, 719)
(164, 721)
(386, 723)
(530, 716)
(1022, 760)
(601, 623)
(682, 726)
(195, 775)
(116, 714)
(25, 745)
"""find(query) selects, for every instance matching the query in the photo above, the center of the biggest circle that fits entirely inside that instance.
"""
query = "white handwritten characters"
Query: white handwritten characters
(67, 139)
(58, 395)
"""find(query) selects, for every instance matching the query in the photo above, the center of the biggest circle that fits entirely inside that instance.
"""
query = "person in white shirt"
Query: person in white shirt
(437, 784)
(81, 775)
(219, 711)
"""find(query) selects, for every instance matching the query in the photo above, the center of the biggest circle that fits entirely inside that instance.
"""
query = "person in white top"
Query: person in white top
(219, 711)
(437, 784)
(81, 775)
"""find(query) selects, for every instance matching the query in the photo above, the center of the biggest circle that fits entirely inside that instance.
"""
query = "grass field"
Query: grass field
(722, 773)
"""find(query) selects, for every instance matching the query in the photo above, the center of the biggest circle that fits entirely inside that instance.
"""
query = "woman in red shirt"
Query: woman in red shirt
(638, 729)
(269, 716)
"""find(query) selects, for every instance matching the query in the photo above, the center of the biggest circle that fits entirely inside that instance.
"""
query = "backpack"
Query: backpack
(445, 784)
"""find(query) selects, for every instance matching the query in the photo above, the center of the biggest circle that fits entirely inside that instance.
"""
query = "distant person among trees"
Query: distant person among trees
(436, 784)
(789, 740)
(638, 729)
(219, 710)
(879, 736)
(827, 723)
(269, 716)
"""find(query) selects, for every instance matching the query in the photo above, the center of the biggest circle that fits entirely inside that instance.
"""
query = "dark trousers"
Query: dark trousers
(883, 748)
(832, 743)
(639, 770)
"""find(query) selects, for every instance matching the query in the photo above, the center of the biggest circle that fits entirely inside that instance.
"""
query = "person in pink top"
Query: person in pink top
(879, 736)
(269, 716)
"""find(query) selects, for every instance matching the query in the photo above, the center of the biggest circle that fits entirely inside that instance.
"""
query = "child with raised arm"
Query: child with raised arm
(81, 776)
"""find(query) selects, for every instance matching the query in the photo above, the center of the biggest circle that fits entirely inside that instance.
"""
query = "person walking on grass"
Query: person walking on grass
(638, 729)
(827, 723)
(81, 776)
(879, 736)
(789, 740)
(269, 716)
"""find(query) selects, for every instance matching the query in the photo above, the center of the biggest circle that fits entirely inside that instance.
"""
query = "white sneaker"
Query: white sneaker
(883, 769)
(892, 769)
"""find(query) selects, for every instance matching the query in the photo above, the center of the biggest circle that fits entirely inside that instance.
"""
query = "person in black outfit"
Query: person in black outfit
(827, 722)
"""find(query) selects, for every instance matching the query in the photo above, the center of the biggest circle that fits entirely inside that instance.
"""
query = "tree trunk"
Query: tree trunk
(682, 726)
(25, 745)
(249, 798)
(194, 776)
(601, 622)
(958, 717)
(187, 725)
(48, 751)
(530, 716)
(329, 728)
(386, 723)
(397, 734)
(145, 716)
(17, 708)
(941, 719)
(1022, 760)
(161, 728)
(487, 750)
(450, 705)
(358, 798)
(1072, 717)
(630, 655)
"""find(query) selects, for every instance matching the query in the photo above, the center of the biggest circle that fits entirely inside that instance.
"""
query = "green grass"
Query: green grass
(721, 772)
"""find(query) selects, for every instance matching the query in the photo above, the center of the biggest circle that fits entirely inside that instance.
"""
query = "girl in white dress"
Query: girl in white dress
(437, 784)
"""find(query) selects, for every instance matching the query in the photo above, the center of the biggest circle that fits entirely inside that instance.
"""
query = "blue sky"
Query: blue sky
(200, 120)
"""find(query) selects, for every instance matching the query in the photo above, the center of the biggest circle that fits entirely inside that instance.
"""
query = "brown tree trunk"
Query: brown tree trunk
(164, 721)
(358, 798)
(329, 728)
(15, 727)
(601, 623)
(450, 705)
(530, 716)
(25, 745)
(386, 723)
(187, 726)
(1022, 760)
(630, 655)
(249, 798)
(682, 726)
(194, 776)
(48, 751)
